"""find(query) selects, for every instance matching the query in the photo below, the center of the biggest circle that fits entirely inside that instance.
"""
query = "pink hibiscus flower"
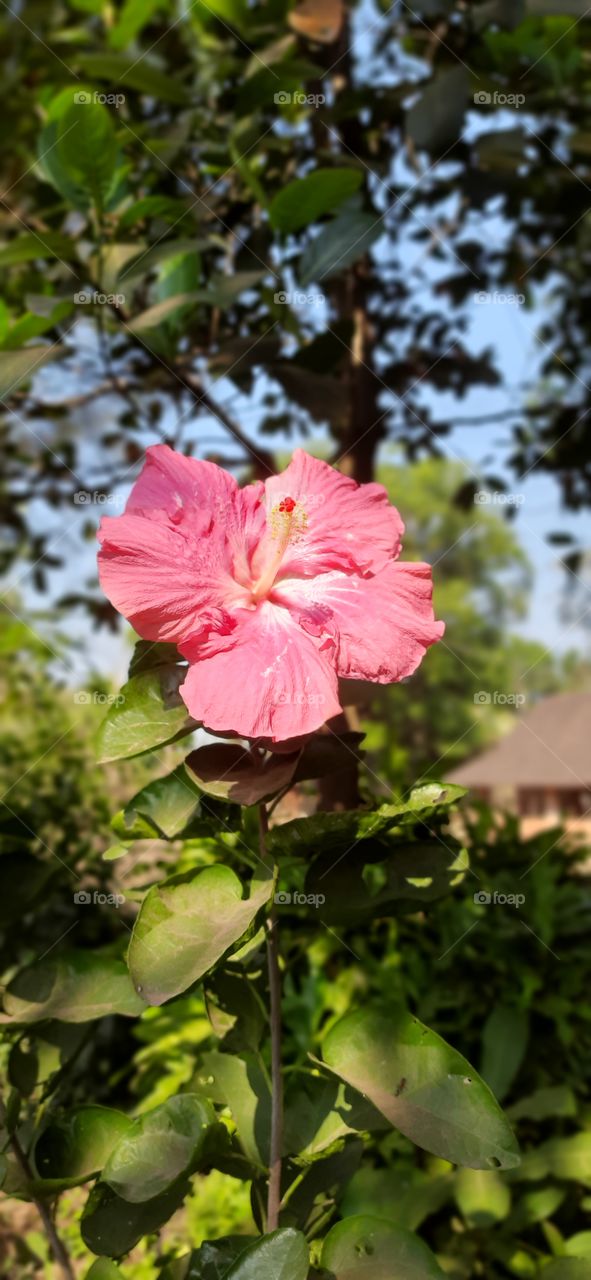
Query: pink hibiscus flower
(271, 592)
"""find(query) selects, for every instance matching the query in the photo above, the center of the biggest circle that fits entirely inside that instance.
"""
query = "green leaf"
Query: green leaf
(305, 200)
(239, 1083)
(230, 772)
(159, 1147)
(75, 1146)
(184, 929)
(142, 75)
(149, 713)
(149, 656)
(169, 208)
(17, 367)
(147, 260)
(482, 1197)
(87, 147)
(112, 1226)
(504, 1044)
(222, 291)
(368, 1248)
(320, 1113)
(536, 1205)
(234, 12)
(579, 1245)
(338, 245)
(165, 310)
(422, 1086)
(77, 987)
(324, 832)
(436, 120)
(27, 248)
(313, 1202)
(131, 19)
(168, 804)
(103, 1269)
(283, 1255)
(30, 325)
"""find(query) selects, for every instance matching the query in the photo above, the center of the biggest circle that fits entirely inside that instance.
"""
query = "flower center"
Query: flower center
(287, 521)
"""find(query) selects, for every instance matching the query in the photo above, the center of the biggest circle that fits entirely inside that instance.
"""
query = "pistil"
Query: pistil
(284, 523)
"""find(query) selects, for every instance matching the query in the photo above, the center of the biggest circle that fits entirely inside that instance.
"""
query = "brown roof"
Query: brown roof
(550, 746)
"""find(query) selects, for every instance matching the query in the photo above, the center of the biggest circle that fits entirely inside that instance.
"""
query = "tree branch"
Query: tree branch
(57, 1248)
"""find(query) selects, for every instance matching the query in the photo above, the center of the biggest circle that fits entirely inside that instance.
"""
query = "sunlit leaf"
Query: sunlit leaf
(185, 927)
(77, 1145)
(149, 712)
(76, 987)
(239, 1083)
(423, 1087)
(158, 1148)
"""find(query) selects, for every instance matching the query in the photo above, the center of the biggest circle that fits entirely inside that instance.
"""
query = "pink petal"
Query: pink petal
(160, 577)
(171, 483)
(269, 680)
(337, 523)
(182, 546)
(201, 497)
(383, 624)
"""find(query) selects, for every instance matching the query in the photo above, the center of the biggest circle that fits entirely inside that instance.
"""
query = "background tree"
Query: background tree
(259, 151)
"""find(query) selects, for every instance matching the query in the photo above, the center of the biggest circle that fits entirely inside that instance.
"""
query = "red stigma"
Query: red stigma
(288, 504)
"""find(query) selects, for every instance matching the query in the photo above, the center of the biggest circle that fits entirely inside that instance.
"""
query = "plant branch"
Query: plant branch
(261, 459)
(57, 1248)
(274, 1191)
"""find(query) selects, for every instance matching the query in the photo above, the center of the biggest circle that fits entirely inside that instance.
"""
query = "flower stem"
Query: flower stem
(274, 1191)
